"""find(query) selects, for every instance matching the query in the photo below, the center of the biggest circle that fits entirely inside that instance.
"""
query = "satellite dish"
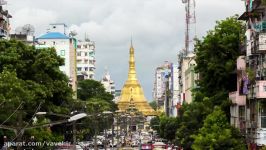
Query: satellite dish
(73, 33)
(28, 29)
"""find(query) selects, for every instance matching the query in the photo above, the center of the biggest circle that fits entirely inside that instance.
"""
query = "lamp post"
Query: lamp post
(105, 141)
(72, 119)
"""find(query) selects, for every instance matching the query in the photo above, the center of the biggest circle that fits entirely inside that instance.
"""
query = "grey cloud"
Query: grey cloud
(157, 27)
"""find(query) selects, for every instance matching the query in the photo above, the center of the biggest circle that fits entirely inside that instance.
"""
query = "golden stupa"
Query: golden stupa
(132, 92)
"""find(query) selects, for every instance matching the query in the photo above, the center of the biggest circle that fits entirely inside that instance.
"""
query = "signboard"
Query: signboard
(259, 26)
(262, 42)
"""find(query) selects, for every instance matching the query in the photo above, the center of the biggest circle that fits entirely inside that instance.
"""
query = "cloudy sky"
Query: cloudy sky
(157, 28)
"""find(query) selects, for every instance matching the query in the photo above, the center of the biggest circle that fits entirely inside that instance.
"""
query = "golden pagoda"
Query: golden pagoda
(132, 92)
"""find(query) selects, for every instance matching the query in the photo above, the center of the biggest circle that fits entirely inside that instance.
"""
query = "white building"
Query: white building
(65, 47)
(187, 77)
(85, 60)
(174, 90)
(159, 84)
(108, 83)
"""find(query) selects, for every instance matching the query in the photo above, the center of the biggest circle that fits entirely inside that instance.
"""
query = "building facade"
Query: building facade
(166, 88)
(187, 77)
(162, 74)
(248, 109)
(108, 83)
(4, 21)
(174, 90)
(65, 47)
(86, 60)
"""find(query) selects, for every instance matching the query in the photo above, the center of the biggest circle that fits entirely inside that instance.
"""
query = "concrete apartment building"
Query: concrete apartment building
(187, 77)
(4, 21)
(65, 47)
(166, 88)
(161, 76)
(248, 109)
(86, 59)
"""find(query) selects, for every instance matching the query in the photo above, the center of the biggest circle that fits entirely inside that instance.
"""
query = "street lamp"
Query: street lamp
(105, 141)
(73, 119)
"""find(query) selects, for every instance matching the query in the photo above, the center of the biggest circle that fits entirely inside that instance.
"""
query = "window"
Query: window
(85, 53)
(54, 42)
(62, 52)
(79, 68)
(263, 115)
(264, 88)
(86, 68)
(79, 54)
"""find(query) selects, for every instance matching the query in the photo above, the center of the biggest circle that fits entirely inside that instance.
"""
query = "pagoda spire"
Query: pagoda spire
(132, 68)
(132, 95)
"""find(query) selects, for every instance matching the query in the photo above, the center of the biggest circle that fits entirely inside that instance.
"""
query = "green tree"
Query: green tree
(30, 81)
(155, 123)
(217, 134)
(190, 120)
(216, 56)
(153, 104)
(168, 127)
(96, 100)
(89, 89)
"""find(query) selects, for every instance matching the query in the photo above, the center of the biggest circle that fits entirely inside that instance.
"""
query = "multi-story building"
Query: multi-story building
(85, 59)
(108, 83)
(248, 109)
(166, 88)
(174, 90)
(187, 77)
(4, 21)
(65, 47)
(161, 77)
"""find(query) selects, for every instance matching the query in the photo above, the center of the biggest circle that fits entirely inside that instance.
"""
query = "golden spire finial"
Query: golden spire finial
(132, 70)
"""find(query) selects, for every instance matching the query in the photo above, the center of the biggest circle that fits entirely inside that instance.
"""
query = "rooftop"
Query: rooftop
(53, 35)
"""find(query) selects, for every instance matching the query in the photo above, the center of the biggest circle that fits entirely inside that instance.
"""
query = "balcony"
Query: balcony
(241, 63)
(261, 89)
(237, 99)
(3, 33)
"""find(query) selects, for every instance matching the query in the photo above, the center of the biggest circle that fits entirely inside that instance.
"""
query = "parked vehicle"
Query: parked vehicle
(146, 147)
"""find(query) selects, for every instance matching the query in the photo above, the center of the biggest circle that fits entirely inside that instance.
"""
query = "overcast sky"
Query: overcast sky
(157, 28)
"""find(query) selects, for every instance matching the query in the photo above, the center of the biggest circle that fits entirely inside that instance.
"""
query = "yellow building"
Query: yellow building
(132, 91)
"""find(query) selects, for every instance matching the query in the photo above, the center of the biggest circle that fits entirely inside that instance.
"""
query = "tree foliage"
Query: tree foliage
(155, 123)
(153, 105)
(29, 78)
(217, 134)
(168, 126)
(216, 56)
(91, 89)
(96, 100)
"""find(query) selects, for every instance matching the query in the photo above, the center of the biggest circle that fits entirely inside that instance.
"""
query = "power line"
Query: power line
(12, 113)
(33, 116)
